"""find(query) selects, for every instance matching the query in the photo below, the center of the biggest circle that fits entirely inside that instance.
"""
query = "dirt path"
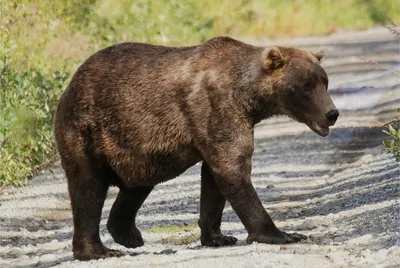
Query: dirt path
(340, 190)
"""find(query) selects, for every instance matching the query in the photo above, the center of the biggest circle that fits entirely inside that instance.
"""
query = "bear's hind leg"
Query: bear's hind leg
(121, 222)
(212, 203)
(88, 189)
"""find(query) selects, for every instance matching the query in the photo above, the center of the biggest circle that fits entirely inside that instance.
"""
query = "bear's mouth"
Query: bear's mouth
(320, 130)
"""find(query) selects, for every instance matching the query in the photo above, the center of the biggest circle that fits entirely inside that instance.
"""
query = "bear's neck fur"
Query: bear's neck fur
(239, 68)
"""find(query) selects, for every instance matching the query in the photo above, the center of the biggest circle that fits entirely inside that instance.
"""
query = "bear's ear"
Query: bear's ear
(272, 59)
(319, 55)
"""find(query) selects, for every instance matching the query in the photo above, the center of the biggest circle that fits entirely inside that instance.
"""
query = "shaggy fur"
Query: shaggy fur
(135, 115)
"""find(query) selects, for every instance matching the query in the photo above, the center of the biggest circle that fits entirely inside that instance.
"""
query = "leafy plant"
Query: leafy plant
(28, 102)
(393, 145)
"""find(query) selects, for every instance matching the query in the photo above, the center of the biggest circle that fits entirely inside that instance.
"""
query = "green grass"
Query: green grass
(181, 240)
(43, 42)
(180, 234)
(173, 228)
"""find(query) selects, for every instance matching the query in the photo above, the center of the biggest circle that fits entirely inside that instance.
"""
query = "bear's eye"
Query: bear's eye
(325, 81)
(308, 86)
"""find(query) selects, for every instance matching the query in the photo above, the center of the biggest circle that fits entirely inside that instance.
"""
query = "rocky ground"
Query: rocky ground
(342, 190)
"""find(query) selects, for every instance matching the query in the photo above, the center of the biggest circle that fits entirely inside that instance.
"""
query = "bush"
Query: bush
(28, 102)
(393, 145)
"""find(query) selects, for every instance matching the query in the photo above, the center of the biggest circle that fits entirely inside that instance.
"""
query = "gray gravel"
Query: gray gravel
(340, 190)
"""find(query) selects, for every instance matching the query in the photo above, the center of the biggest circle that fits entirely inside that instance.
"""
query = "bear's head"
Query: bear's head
(300, 84)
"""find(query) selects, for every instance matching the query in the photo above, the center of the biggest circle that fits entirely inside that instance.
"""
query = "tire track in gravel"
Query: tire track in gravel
(340, 190)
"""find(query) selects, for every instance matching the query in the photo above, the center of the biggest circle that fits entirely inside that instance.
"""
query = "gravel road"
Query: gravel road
(342, 190)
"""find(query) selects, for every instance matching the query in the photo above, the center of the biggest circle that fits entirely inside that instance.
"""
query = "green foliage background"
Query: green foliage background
(43, 42)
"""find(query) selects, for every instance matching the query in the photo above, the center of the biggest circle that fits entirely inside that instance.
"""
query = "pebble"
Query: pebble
(166, 252)
(301, 250)
(395, 251)
(191, 210)
(315, 200)
(327, 241)
(362, 240)
(316, 237)
(292, 214)
(308, 224)
(50, 247)
(15, 252)
(367, 158)
(325, 222)
(340, 239)
(25, 262)
(47, 258)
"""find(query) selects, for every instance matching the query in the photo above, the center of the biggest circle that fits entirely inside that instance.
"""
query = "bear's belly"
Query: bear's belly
(151, 169)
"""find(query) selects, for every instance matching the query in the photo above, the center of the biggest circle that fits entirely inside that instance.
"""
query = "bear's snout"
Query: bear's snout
(332, 116)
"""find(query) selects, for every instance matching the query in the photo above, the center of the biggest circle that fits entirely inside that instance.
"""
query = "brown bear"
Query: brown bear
(135, 115)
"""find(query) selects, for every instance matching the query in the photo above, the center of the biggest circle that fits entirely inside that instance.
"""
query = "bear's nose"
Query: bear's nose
(332, 115)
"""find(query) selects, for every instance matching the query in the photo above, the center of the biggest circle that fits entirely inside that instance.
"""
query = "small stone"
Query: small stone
(367, 158)
(315, 200)
(166, 252)
(286, 247)
(333, 230)
(50, 247)
(293, 214)
(270, 186)
(15, 252)
(362, 240)
(316, 237)
(395, 251)
(192, 210)
(325, 222)
(340, 239)
(326, 241)
(46, 258)
(25, 262)
(308, 224)
(301, 250)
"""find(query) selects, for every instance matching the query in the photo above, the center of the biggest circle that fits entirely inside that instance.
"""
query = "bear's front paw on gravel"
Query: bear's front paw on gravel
(219, 241)
(276, 238)
(130, 238)
(85, 255)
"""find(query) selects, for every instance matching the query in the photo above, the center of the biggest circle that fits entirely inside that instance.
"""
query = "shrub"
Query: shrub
(28, 102)
(393, 145)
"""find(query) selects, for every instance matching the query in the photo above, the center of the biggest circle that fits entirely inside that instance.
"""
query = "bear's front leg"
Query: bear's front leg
(212, 203)
(230, 163)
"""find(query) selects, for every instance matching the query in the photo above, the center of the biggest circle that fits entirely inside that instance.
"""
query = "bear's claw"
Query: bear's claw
(276, 238)
(219, 241)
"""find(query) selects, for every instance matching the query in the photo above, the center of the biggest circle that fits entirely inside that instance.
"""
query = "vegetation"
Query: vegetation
(173, 228)
(43, 42)
(393, 130)
(181, 240)
(393, 127)
(180, 234)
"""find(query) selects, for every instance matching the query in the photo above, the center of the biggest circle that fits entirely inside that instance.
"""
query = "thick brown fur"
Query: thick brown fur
(135, 115)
